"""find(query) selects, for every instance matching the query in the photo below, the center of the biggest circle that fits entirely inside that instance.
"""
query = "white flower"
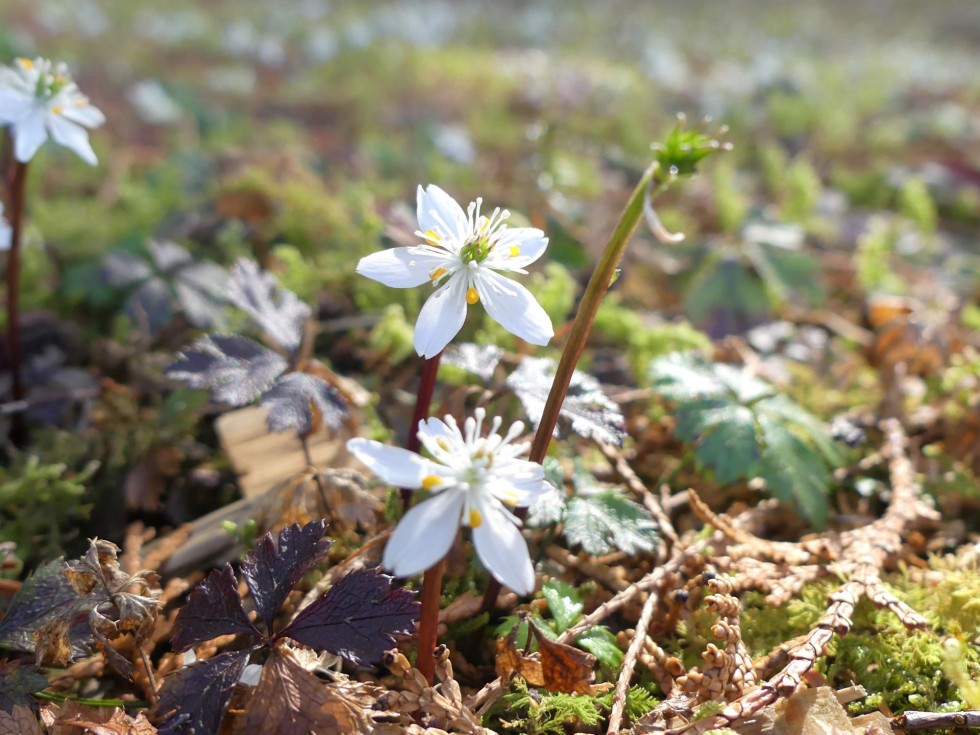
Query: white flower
(473, 481)
(462, 254)
(37, 99)
(5, 233)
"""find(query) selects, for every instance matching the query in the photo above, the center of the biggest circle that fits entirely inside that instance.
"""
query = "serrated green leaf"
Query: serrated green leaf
(601, 643)
(605, 521)
(741, 428)
(564, 603)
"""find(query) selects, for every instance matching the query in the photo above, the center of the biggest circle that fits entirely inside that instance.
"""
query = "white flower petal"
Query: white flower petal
(88, 115)
(438, 211)
(13, 106)
(424, 534)
(398, 467)
(529, 240)
(514, 308)
(29, 134)
(398, 267)
(502, 549)
(72, 136)
(442, 317)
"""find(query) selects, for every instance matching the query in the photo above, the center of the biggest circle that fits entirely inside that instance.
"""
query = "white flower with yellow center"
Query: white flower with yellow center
(462, 254)
(38, 98)
(473, 481)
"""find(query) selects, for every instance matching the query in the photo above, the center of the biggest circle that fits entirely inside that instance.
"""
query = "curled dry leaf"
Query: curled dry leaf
(555, 666)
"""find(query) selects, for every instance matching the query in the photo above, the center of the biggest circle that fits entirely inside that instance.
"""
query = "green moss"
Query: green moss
(872, 260)
(915, 202)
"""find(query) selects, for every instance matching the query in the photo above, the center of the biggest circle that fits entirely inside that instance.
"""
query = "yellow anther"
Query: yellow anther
(472, 296)
(81, 102)
(433, 237)
(436, 273)
(514, 251)
(475, 518)
(443, 444)
(58, 109)
(25, 63)
(431, 481)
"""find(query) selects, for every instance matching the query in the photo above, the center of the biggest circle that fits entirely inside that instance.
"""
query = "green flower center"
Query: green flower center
(476, 251)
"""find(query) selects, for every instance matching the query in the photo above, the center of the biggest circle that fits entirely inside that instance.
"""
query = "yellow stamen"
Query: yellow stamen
(510, 499)
(475, 518)
(430, 481)
(514, 251)
(81, 102)
(25, 63)
(57, 109)
(443, 444)
(437, 273)
(472, 296)
(433, 237)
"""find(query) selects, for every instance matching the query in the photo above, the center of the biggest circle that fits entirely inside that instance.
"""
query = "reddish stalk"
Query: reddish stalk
(595, 291)
(18, 182)
(432, 580)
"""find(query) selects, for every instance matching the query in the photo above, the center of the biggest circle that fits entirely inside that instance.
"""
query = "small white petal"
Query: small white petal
(13, 106)
(29, 134)
(398, 267)
(424, 535)
(502, 549)
(514, 308)
(438, 211)
(72, 136)
(88, 115)
(442, 317)
(398, 467)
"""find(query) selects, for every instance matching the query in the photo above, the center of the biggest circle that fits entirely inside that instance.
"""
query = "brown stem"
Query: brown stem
(427, 384)
(595, 291)
(429, 620)
(18, 183)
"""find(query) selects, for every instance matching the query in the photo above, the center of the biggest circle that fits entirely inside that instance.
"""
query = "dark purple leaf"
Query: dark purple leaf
(213, 608)
(235, 369)
(18, 682)
(168, 256)
(357, 618)
(151, 305)
(45, 597)
(122, 269)
(194, 698)
(276, 310)
(273, 568)
(592, 413)
(293, 399)
(200, 289)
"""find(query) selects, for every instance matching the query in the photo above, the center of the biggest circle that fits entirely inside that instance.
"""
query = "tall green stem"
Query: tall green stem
(595, 291)
(18, 182)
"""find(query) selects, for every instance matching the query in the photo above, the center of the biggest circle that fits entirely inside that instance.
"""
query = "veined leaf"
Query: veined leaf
(235, 369)
(276, 310)
(741, 427)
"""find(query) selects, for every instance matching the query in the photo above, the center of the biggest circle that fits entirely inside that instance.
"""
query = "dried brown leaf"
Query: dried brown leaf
(20, 721)
(79, 719)
(556, 666)
(289, 700)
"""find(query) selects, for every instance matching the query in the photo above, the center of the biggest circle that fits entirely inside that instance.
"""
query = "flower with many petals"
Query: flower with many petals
(462, 255)
(474, 480)
(38, 98)
(5, 232)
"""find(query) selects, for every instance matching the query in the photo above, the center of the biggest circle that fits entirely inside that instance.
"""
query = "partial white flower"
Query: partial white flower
(5, 232)
(463, 254)
(38, 98)
(474, 480)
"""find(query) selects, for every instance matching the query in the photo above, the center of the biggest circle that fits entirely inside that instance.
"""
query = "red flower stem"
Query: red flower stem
(595, 291)
(432, 580)
(427, 384)
(429, 620)
(18, 182)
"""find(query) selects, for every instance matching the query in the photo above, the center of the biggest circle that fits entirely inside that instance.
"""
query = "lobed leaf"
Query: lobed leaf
(235, 369)
(276, 310)
(357, 618)
(18, 683)
(593, 415)
(194, 698)
(481, 360)
(273, 568)
(299, 401)
(213, 609)
(607, 520)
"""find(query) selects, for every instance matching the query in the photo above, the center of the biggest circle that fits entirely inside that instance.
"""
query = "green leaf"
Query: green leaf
(607, 520)
(741, 427)
(601, 642)
(564, 603)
